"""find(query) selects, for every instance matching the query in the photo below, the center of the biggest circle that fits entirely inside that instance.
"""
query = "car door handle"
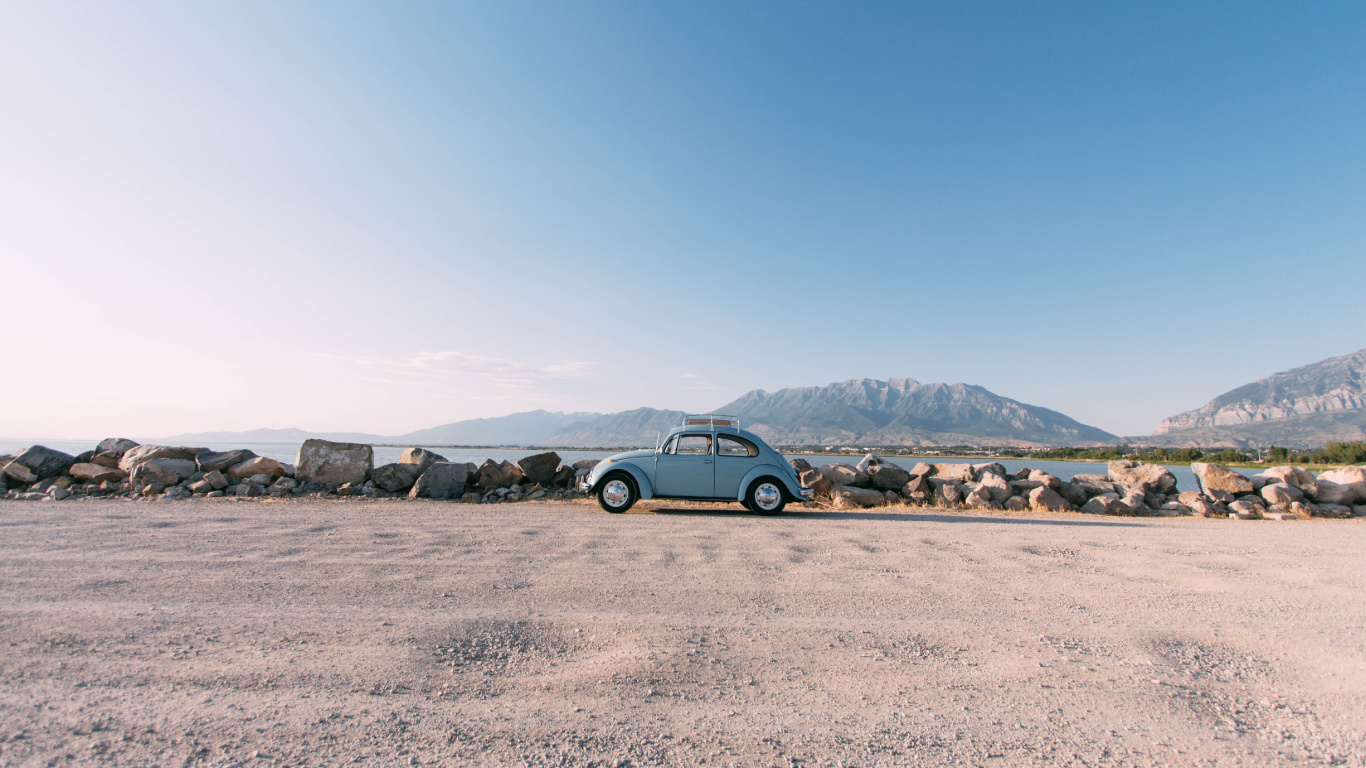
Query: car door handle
(708, 461)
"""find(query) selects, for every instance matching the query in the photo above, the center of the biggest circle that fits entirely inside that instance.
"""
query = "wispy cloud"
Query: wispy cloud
(458, 368)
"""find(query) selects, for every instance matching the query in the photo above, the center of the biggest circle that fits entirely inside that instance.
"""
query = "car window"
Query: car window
(734, 446)
(693, 445)
(669, 445)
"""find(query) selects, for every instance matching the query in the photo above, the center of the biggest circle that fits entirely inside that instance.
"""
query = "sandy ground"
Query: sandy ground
(380, 633)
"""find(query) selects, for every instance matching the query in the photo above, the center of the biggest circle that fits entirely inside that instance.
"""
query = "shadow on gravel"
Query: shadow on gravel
(891, 516)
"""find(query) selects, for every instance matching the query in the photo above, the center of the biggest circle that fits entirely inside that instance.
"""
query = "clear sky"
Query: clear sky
(382, 217)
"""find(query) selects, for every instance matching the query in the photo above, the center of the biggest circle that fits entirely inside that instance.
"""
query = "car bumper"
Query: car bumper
(808, 494)
(585, 486)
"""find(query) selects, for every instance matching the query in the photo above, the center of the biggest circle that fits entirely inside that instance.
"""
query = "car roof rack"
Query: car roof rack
(710, 420)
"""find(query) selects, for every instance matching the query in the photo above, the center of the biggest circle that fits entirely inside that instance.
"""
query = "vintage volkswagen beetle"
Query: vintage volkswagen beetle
(706, 458)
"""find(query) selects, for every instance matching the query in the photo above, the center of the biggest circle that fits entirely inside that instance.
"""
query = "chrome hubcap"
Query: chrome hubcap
(615, 493)
(767, 496)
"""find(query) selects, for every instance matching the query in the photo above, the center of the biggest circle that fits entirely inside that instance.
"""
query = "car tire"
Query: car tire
(765, 496)
(617, 493)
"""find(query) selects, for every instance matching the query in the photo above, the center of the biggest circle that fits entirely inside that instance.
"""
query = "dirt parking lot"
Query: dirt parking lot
(309, 632)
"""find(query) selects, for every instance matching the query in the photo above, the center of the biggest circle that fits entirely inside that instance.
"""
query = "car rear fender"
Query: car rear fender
(794, 491)
(646, 490)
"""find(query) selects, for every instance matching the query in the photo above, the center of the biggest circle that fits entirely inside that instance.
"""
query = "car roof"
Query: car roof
(717, 430)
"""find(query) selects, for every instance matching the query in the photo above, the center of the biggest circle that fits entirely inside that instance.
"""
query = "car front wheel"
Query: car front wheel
(765, 497)
(616, 494)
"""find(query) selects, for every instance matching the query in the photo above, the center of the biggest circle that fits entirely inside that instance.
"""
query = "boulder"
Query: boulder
(947, 493)
(201, 486)
(498, 474)
(167, 472)
(115, 445)
(1073, 493)
(394, 478)
(1094, 485)
(1150, 477)
(45, 462)
(888, 477)
(585, 463)
(421, 458)
(918, 486)
(801, 465)
(1043, 478)
(1016, 504)
(539, 468)
(217, 479)
(996, 486)
(817, 482)
(1333, 510)
(210, 461)
(960, 472)
(1213, 477)
(110, 460)
(283, 487)
(1244, 509)
(1281, 493)
(868, 462)
(1044, 497)
(1359, 510)
(1300, 478)
(1352, 477)
(259, 465)
(979, 498)
(1329, 492)
(921, 469)
(1104, 504)
(843, 474)
(1201, 506)
(1134, 501)
(846, 496)
(135, 456)
(563, 477)
(19, 473)
(992, 468)
(323, 461)
(1176, 509)
(95, 473)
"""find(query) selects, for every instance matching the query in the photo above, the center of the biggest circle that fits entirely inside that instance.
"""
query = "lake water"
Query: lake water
(288, 452)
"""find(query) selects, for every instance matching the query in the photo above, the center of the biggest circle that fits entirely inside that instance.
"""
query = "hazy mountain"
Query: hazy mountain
(527, 428)
(904, 412)
(628, 429)
(1300, 408)
(265, 436)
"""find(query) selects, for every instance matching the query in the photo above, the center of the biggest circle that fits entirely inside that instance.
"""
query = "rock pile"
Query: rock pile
(121, 467)
(1128, 488)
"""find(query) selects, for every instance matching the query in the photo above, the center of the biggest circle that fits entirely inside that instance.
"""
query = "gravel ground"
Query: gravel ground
(310, 632)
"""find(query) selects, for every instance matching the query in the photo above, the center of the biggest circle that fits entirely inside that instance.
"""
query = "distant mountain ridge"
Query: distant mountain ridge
(900, 412)
(904, 412)
(1299, 408)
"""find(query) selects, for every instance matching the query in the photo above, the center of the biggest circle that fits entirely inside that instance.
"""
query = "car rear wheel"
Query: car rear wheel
(616, 493)
(765, 496)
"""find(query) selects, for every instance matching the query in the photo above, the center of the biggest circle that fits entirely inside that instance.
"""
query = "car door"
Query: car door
(686, 467)
(735, 457)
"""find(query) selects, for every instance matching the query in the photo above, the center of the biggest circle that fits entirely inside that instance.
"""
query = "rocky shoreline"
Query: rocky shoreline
(118, 467)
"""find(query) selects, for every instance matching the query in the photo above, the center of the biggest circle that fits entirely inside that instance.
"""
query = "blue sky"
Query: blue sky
(383, 217)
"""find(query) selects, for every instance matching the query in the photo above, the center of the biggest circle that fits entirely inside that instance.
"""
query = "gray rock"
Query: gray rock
(1333, 510)
(420, 458)
(1281, 493)
(918, 487)
(960, 472)
(395, 478)
(1044, 478)
(442, 480)
(563, 477)
(868, 462)
(141, 453)
(994, 468)
(1351, 477)
(947, 492)
(165, 472)
(200, 487)
(996, 486)
(1177, 509)
(259, 465)
(1149, 477)
(58, 493)
(844, 474)
(539, 468)
(45, 462)
(1222, 479)
(801, 465)
(846, 496)
(1094, 485)
(586, 463)
(1073, 493)
(1134, 501)
(1044, 497)
(1244, 509)
(1105, 504)
(221, 460)
(95, 473)
(217, 480)
(498, 474)
(1329, 492)
(323, 461)
(283, 487)
(1016, 504)
(817, 482)
(888, 477)
(979, 498)
(110, 460)
(117, 446)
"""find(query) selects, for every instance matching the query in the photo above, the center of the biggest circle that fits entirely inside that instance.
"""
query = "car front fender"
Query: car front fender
(794, 491)
(643, 485)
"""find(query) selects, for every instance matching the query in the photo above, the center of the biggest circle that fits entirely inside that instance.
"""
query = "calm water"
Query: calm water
(288, 452)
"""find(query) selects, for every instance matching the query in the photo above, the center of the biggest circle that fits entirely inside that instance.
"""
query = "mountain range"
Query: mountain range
(1299, 408)
(857, 412)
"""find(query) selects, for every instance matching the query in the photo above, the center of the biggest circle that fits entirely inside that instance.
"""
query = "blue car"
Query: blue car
(706, 458)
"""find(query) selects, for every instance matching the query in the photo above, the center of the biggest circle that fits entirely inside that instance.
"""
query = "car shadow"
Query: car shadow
(901, 517)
